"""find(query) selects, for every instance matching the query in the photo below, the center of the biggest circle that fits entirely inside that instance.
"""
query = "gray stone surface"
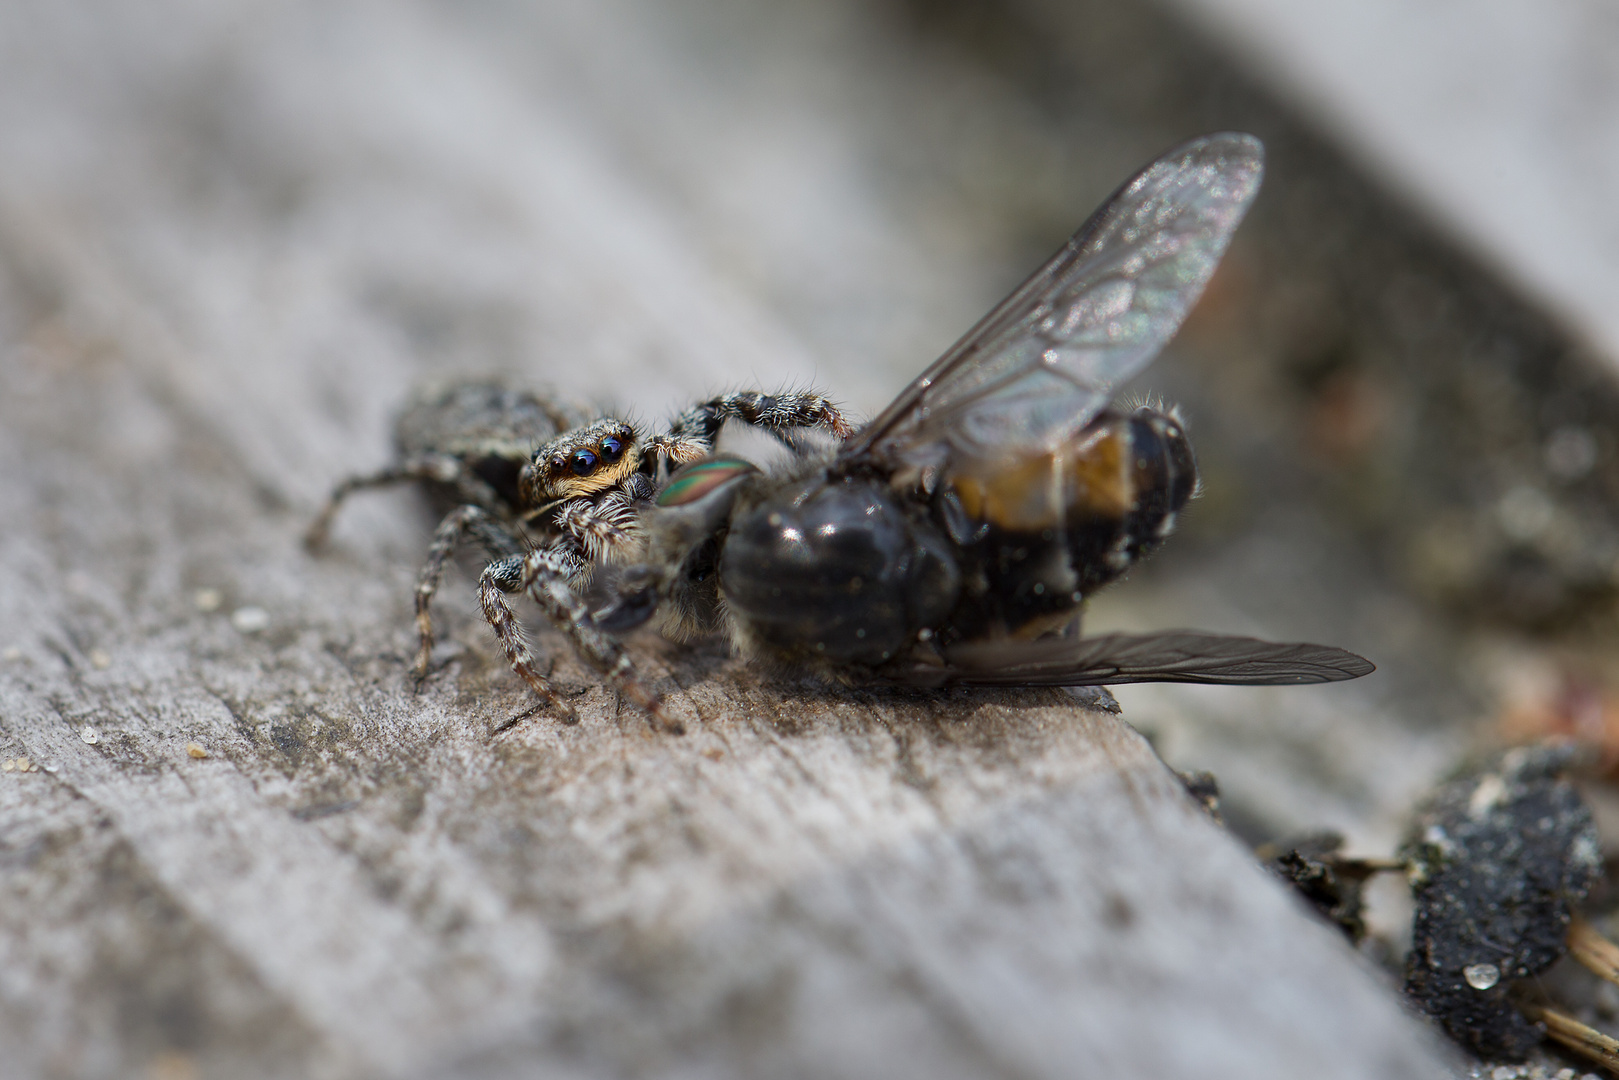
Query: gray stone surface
(1499, 118)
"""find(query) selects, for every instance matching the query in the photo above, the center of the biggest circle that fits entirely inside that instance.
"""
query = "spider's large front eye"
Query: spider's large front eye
(582, 462)
(611, 449)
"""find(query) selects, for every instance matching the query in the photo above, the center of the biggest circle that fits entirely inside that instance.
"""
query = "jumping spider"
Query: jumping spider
(550, 495)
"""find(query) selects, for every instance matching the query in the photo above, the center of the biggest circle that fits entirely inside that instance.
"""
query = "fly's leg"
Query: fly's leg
(459, 524)
(547, 575)
(436, 467)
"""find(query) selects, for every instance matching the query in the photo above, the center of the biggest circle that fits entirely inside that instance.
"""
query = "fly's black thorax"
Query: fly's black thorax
(841, 573)
(1040, 532)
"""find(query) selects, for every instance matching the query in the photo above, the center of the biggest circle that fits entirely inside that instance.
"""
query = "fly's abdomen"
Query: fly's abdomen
(843, 575)
(1163, 476)
(1041, 531)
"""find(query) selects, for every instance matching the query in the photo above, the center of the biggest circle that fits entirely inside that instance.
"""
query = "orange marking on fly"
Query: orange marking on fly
(699, 479)
(1089, 478)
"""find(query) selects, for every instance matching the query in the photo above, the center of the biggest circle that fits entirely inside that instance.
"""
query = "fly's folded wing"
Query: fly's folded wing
(1185, 656)
(1050, 356)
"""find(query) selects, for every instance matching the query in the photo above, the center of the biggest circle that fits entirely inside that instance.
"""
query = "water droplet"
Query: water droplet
(89, 735)
(1481, 976)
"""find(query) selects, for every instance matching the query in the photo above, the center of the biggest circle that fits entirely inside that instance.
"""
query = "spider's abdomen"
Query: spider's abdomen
(488, 427)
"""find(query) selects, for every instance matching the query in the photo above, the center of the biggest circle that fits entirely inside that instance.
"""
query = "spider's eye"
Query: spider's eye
(611, 449)
(558, 464)
(582, 462)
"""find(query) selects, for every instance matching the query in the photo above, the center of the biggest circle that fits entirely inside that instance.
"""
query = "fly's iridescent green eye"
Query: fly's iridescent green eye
(611, 449)
(582, 462)
(694, 481)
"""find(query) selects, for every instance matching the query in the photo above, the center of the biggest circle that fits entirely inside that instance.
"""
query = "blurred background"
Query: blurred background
(1401, 384)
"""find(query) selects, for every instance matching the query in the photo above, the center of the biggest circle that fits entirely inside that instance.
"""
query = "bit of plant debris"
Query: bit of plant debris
(1203, 787)
(1330, 882)
(1497, 858)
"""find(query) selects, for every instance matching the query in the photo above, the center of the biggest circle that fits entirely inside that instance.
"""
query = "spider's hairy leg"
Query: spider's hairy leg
(547, 575)
(600, 527)
(777, 414)
(679, 449)
(441, 468)
(459, 524)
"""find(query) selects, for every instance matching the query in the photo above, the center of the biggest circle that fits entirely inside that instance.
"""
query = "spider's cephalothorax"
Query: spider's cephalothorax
(550, 495)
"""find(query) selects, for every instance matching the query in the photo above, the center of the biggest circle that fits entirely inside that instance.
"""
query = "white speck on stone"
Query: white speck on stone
(1570, 454)
(100, 660)
(1481, 976)
(1486, 796)
(89, 734)
(1524, 513)
(1436, 835)
(250, 619)
(206, 600)
(11, 654)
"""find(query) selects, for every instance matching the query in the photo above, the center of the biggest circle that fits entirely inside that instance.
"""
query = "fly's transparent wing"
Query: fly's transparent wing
(1049, 358)
(1185, 656)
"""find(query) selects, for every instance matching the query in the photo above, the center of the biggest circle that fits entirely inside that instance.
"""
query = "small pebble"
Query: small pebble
(1524, 513)
(1570, 454)
(89, 735)
(1481, 976)
(8, 765)
(24, 765)
(207, 600)
(100, 660)
(196, 750)
(250, 619)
